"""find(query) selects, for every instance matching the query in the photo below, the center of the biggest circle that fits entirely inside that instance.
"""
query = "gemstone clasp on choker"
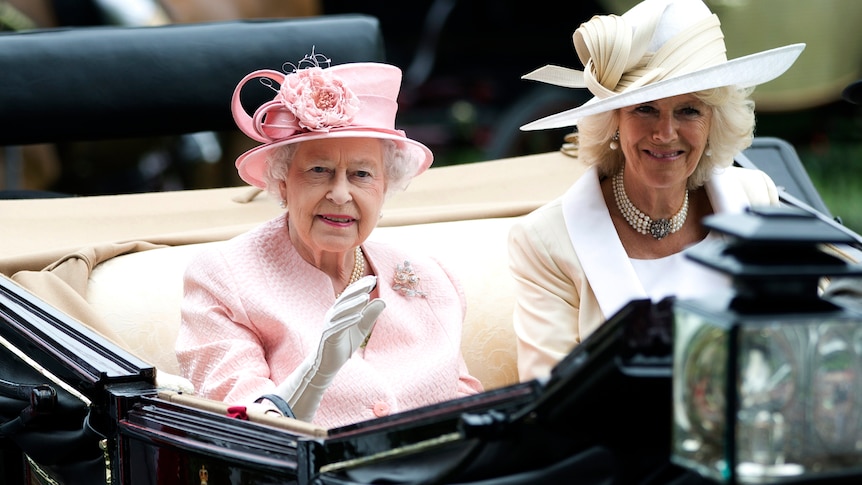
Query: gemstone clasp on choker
(642, 223)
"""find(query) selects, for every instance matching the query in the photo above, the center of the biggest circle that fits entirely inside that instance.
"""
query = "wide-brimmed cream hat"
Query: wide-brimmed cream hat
(658, 49)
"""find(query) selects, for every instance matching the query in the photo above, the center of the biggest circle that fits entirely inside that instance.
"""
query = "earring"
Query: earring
(283, 204)
(615, 141)
(708, 151)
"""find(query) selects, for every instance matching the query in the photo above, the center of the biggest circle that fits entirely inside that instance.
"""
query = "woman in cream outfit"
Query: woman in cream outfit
(668, 115)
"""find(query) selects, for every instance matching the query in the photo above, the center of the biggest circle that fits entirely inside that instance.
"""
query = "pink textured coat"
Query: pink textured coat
(253, 309)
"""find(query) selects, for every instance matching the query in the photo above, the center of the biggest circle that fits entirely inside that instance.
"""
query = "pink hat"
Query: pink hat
(343, 101)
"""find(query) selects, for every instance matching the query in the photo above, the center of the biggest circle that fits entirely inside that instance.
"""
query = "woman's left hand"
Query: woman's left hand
(346, 326)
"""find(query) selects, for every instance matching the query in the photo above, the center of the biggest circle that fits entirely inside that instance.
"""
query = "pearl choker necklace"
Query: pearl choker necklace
(641, 222)
(358, 267)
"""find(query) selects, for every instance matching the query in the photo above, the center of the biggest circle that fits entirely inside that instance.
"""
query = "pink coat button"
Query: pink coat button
(381, 409)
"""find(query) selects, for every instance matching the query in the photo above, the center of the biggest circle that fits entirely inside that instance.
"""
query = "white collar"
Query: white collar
(597, 245)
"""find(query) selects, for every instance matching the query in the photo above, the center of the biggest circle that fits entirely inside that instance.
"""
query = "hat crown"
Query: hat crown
(658, 49)
(674, 17)
(655, 40)
(313, 99)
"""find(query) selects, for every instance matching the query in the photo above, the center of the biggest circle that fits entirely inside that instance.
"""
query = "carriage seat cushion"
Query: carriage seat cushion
(139, 293)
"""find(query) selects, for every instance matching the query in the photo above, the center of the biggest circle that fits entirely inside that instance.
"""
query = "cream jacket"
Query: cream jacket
(571, 271)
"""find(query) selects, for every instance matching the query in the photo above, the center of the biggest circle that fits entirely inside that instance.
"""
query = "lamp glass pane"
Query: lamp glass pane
(798, 380)
(800, 397)
(699, 376)
(770, 370)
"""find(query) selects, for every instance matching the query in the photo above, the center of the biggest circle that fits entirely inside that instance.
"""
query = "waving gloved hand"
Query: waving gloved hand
(346, 325)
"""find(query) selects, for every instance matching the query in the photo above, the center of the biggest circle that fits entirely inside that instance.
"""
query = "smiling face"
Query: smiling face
(663, 140)
(334, 190)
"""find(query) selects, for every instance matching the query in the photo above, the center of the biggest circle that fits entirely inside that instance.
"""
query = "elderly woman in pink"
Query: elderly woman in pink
(302, 312)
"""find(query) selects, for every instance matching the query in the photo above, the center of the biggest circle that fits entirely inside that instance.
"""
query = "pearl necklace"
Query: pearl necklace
(641, 222)
(358, 267)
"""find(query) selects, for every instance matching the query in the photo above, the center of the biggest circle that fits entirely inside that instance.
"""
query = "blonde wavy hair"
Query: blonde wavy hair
(731, 131)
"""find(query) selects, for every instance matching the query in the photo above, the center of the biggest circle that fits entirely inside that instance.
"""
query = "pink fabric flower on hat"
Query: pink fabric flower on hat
(319, 100)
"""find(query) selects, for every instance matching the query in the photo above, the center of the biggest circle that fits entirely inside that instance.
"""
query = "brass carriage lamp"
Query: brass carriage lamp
(767, 377)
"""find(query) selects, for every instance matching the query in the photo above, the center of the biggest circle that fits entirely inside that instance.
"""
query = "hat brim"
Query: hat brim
(252, 164)
(746, 71)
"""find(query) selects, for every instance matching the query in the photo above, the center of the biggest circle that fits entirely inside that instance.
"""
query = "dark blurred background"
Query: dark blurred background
(462, 94)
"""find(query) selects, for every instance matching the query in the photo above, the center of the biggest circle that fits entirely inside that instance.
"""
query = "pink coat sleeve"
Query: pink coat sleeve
(218, 349)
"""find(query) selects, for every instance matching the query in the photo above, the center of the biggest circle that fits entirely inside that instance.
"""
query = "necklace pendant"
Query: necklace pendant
(641, 222)
(659, 228)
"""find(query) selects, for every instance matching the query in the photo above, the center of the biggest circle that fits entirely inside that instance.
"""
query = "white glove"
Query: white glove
(346, 325)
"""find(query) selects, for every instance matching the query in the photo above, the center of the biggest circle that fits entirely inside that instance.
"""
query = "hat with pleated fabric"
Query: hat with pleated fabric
(658, 49)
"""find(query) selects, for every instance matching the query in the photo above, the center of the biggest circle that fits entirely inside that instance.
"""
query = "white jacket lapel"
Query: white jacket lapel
(594, 238)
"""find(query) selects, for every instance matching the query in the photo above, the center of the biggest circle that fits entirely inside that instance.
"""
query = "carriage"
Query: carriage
(89, 300)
